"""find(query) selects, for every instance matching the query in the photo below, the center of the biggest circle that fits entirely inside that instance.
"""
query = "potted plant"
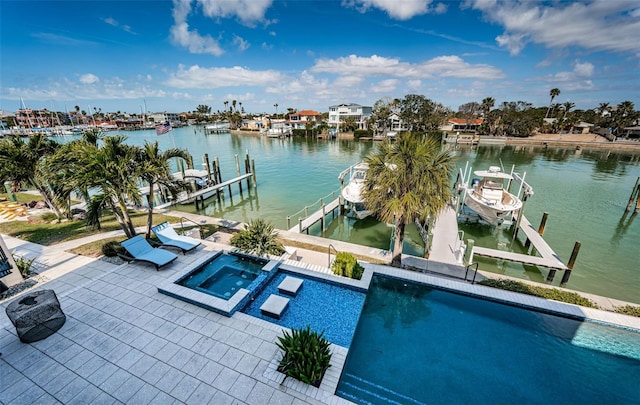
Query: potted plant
(306, 355)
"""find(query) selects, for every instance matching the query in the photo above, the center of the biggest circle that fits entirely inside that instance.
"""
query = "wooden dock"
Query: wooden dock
(305, 223)
(548, 258)
(209, 191)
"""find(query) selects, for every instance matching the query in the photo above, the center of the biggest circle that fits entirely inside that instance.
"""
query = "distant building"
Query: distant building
(162, 117)
(462, 125)
(339, 113)
(299, 120)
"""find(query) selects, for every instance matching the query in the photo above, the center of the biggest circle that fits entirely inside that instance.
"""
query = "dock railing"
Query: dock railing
(304, 212)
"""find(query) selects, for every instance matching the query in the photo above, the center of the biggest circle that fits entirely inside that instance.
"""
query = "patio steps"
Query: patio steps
(308, 266)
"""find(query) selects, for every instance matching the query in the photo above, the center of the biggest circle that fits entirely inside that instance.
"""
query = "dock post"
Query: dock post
(253, 171)
(288, 222)
(572, 261)
(551, 275)
(635, 193)
(206, 162)
(322, 219)
(543, 223)
(247, 170)
(306, 211)
(468, 256)
(300, 225)
(520, 214)
(219, 171)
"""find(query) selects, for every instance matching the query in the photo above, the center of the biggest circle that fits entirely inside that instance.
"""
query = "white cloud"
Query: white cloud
(595, 25)
(192, 40)
(385, 86)
(247, 11)
(240, 43)
(399, 10)
(442, 66)
(114, 23)
(583, 69)
(89, 78)
(414, 85)
(203, 78)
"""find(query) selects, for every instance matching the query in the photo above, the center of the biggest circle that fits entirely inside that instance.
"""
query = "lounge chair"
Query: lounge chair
(169, 238)
(141, 250)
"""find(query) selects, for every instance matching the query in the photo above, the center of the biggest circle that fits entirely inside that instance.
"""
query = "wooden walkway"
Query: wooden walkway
(549, 258)
(307, 222)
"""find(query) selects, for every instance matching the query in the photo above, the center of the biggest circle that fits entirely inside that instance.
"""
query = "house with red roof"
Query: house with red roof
(462, 124)
(299, 119)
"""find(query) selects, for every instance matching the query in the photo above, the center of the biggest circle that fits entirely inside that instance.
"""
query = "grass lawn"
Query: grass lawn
(45, 230)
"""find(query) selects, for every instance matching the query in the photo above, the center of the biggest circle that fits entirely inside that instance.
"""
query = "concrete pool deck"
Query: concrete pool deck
(124, 342)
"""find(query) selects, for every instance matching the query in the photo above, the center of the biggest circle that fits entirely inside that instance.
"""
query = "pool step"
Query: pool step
(274, 306)
(360, 390)
(308, 266)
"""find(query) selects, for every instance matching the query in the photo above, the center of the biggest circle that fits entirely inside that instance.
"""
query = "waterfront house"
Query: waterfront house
(339, 113)
(299, 120)
(462, 125)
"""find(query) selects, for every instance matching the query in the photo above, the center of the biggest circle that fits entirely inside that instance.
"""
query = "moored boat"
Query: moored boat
(352, 192)
(488, 196)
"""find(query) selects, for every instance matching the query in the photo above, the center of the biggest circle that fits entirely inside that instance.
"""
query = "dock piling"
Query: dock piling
(572, 261)
(635, 193)
(253, 172)
(237, 171)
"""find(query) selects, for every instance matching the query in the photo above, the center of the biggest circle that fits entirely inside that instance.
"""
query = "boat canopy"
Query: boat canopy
(494, 172)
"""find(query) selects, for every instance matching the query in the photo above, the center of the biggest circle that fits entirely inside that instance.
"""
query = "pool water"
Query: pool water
(224, 275)
(326, 307)
(415, 344)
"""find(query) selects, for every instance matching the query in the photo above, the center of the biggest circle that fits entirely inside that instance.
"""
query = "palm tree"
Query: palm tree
(154, 169)
(258, 237)
(276, 106)
(22, 163)
(487, 105)
(111, 168)
(555, 92)
(567, 106)
(407, 180)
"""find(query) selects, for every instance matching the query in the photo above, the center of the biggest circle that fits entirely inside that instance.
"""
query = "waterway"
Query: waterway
(584, 192)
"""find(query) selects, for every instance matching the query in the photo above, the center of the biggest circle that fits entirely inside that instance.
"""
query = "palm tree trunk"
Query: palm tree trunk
(398, 240)
(47, 198)
(130, 230)
(119, 218)
(150, 213)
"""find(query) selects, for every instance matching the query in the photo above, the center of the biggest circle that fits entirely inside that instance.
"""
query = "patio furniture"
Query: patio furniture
(36, 315)
(169, 238)
(140, 250)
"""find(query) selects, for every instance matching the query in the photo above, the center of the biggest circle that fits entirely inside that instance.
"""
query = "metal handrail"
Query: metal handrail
(192, 221)
(474, 274)
(334, 249)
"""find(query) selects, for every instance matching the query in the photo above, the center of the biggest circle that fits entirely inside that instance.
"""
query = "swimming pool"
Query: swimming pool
(224, 275)
(324, 306)
(416, 344)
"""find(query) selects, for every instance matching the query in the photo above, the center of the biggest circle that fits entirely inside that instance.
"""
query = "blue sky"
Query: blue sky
(305, 54)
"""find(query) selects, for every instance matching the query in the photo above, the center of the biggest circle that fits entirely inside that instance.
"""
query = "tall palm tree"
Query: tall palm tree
(276, 106)
(555, 92)
(407, 179)
(154, 169)
(22, 163)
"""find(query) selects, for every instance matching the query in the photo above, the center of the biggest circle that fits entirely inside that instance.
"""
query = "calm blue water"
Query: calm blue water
(224, 275)
(415, 344)
(325, 307)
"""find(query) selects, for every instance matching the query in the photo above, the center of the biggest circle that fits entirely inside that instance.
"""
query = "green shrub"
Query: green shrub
(548, 293)
(360, 133)
(259, 238)
(306, 355)
(631, 310)
(24, 265)
(346, 265)
(112, 248)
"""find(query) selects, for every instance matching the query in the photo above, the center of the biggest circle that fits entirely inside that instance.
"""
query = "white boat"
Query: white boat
(352, 192)
(488, 197)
